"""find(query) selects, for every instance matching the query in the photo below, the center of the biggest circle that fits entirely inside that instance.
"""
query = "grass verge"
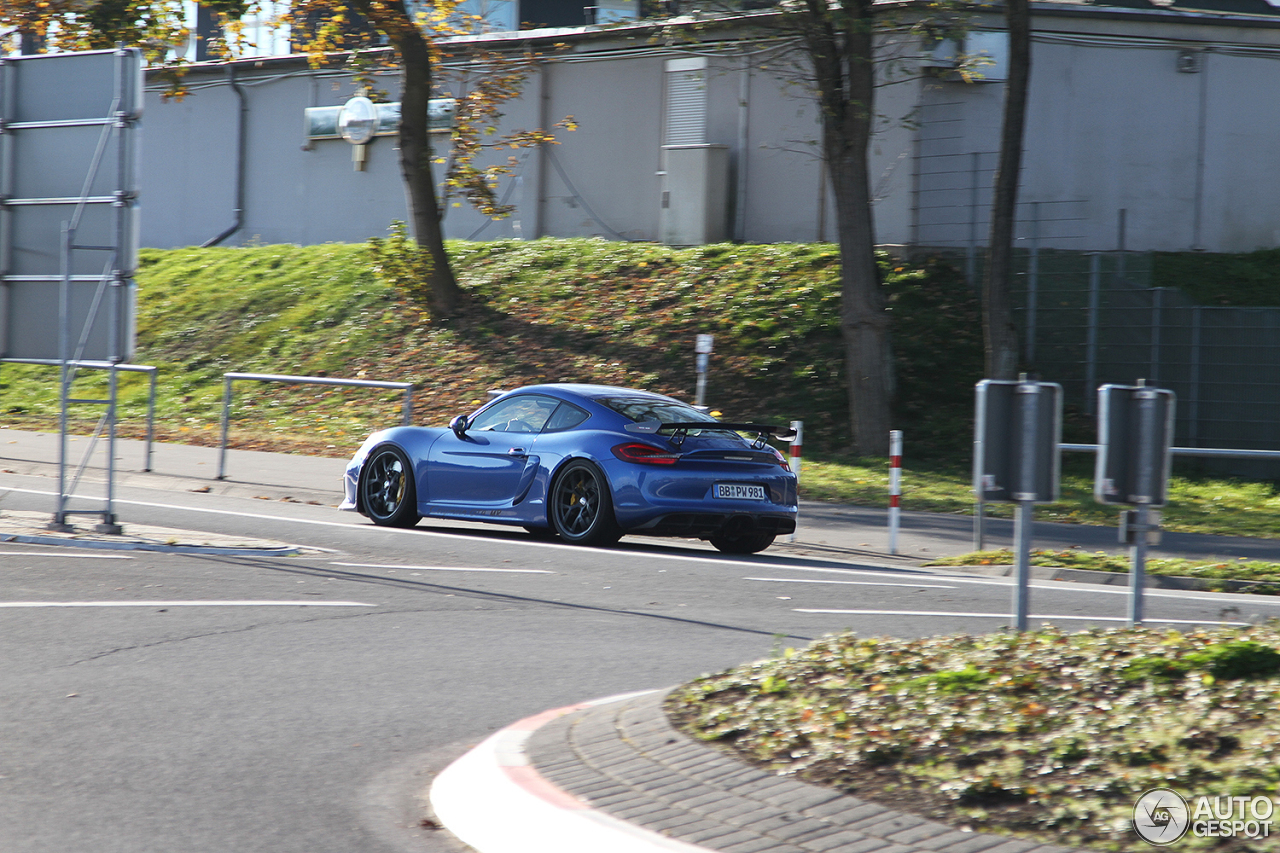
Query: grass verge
(587, 311)
(1043, 734)
(1265, 575)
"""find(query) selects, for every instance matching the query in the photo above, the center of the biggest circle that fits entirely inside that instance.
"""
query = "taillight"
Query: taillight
(644, 454)
(780, 459)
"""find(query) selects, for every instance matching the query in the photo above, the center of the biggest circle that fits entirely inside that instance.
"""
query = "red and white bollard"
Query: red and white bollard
(798, 428)
(895, 487)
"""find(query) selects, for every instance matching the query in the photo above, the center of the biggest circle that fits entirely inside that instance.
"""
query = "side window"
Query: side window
(526, 413)
(567, 416)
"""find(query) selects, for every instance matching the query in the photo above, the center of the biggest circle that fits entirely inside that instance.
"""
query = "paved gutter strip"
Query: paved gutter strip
(625, 759)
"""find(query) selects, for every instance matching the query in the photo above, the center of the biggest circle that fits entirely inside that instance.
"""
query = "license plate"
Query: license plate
(739, 492)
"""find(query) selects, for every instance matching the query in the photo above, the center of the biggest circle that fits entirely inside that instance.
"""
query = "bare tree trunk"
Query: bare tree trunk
(840, 47)
(864, 323)
(1001, 337)
(415, 148)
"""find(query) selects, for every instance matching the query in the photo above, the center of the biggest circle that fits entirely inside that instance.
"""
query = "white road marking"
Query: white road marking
(853, 583)
(442, 568)
(1221, 597)
(72, 555)
(185, 604)
(1008, 616)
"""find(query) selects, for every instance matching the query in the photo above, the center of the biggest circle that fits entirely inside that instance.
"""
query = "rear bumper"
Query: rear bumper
(705, 524)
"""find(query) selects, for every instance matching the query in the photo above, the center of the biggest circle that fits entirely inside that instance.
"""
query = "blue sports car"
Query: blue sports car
(587, 463)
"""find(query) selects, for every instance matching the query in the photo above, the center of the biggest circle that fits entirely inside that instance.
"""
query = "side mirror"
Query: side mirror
(459, 425)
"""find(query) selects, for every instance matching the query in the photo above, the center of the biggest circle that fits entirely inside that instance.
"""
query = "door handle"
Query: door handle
(517, 451)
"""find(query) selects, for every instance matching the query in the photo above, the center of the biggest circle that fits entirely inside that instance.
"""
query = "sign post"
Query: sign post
(69, 155)
(1017, 459)
(1135, 432)
(703, 349)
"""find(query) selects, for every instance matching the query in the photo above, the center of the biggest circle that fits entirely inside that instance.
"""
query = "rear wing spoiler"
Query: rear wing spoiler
(679, 430)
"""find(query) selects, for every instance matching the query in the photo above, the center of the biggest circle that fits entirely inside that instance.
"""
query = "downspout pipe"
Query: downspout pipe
(242, 116)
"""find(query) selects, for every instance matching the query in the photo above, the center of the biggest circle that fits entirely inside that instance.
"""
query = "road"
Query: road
(162, 702)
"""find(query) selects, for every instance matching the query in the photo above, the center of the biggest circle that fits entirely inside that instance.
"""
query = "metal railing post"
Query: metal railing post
(228, 378)
(226, 425)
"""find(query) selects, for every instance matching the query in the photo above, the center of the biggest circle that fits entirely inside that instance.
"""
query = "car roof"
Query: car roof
(587, 392)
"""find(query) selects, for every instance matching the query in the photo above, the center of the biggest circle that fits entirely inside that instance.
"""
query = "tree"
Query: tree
(416, 43)
(347, 29)
(1000, 335)
(838, 38)
(841, 56)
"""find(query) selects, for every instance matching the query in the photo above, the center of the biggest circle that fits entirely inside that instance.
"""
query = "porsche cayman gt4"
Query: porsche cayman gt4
(586, 463)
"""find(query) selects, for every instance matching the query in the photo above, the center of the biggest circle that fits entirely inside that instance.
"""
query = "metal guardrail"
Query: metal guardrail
(228, 378)
(979, 511)
(107, 365)
(1219, 452)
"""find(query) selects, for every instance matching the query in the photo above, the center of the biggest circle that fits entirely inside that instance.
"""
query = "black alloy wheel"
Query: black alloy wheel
(387, 493)
(581, 507)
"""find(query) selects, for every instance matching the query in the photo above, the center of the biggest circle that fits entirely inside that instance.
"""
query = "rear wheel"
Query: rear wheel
(581, 507)
(745, 543)
(387, 493)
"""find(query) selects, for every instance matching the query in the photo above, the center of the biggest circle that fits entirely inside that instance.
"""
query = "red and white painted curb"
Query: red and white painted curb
(497, 802)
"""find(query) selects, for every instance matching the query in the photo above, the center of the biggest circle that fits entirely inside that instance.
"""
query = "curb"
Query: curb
(1120, 578)
(26, 528)
(613, 775)
(135, 545)
(497, 778)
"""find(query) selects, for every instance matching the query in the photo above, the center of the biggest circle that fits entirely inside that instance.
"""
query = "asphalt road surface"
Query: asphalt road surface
(301, 704)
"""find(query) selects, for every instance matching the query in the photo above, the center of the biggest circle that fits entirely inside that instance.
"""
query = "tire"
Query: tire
(387, 492)
(746, 543)
(581, 507)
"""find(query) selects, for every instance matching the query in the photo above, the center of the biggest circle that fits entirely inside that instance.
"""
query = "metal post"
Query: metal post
(703, 348)
(895, 487)
(1120, 240)
(1028, 401)
(1157, 321)
(1193, 412)
(65, 376)
(226, 425)
(980, 525)
(797, 455)
(151, 418)
(108, 524)
(1147, 489)
(1091, 333)
(1022, 563)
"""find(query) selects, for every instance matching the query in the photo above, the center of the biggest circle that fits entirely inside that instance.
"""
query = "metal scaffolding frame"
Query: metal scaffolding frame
(110, 307)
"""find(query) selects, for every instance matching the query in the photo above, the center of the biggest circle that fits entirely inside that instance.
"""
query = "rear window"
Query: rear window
(640, 409)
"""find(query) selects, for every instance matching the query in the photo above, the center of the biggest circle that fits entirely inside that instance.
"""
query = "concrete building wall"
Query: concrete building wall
(1126, 143)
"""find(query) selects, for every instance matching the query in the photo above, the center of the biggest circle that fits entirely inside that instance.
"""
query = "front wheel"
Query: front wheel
(581, 506)
(387, 493)
(746, 543)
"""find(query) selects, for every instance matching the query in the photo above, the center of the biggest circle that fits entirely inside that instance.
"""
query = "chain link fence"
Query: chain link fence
(1090, 319)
